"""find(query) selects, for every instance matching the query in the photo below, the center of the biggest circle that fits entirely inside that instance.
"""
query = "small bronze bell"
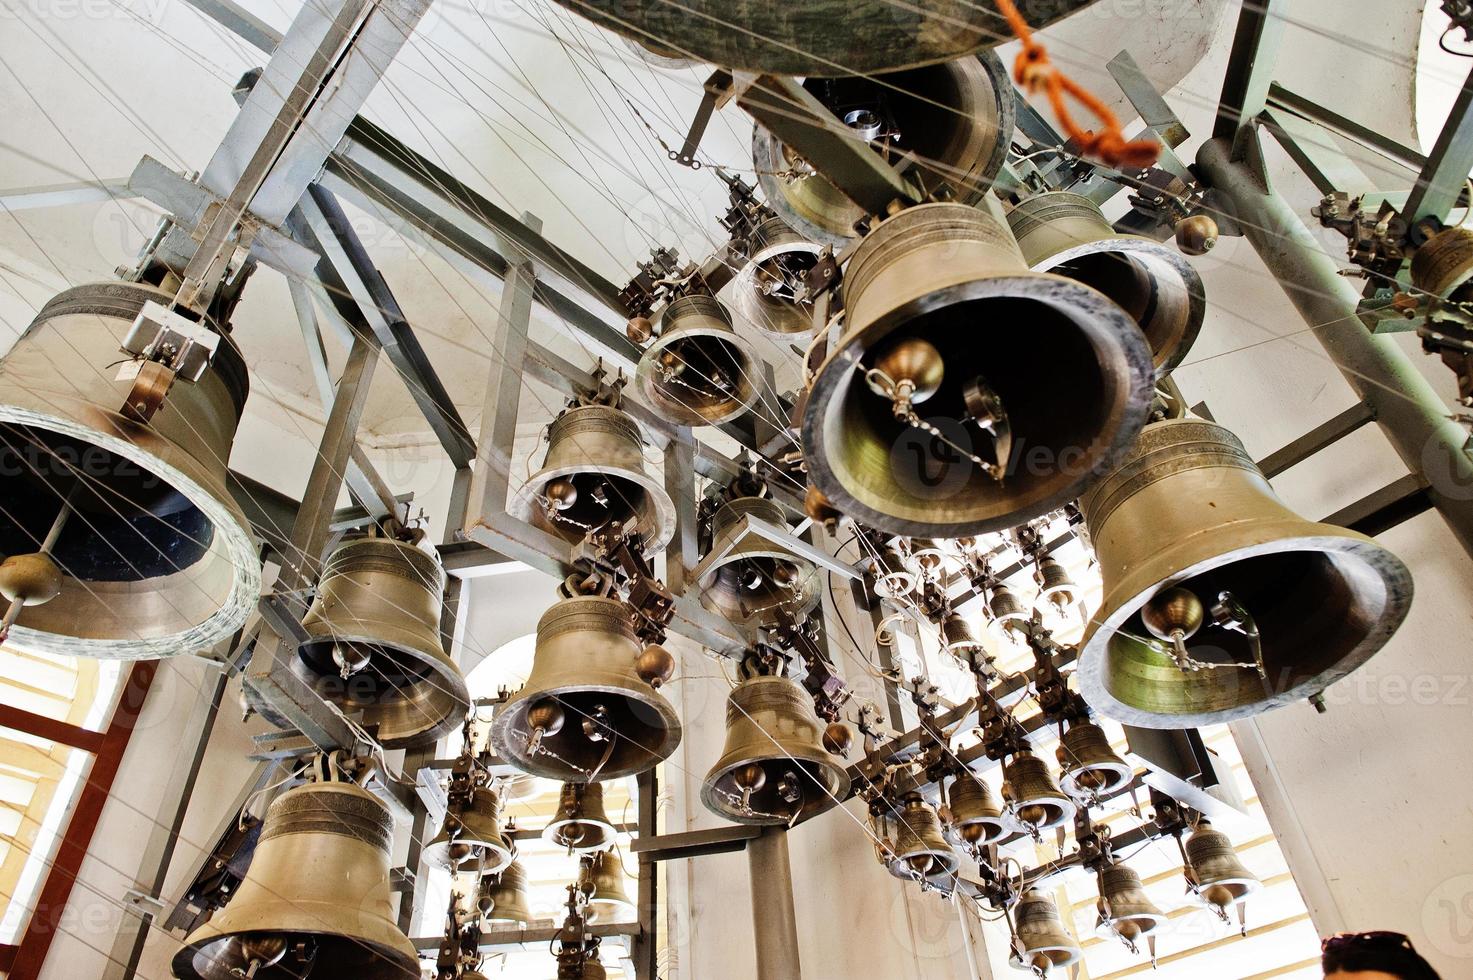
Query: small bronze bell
(699, 371)
(1126, 911)
(585, 711)
(373, 642)
(1443, 264)
(1219, 879)
(1041, 942)
(766, 291)
(1004, 607)
(919, 849)
(975, 812)
(928, 557)
(1088, 767)
(1067, 234)
(594, 475)
(1035, 802)
(939, 305)
(609, 900)
(956, 117)
(893, 577)
(758, 578)
(1055, 587)
(775, 769)
(502, 898)
(957, 636)
(580, 823)
(472, 836)
(316, 895)
(1219, 601)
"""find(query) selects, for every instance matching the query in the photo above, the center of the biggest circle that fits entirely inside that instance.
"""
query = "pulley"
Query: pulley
(921, 422)
(608, 899)
(956, 118)
(1041, 943)
(768, 288)
(471, 835)
(122, 539)
(580, 823)
(1067, 234)
(373, 642)
(1218, 878)
(594, 475)
(1089, 768)
(502, 897)
(857, 37)
(586, 712)
(976, 813)
(1219, 601)
(1125, 910)
(775, 769)
(918, 849)
(1035, 802)
(699, 371)
(315, 900)
(757, 578)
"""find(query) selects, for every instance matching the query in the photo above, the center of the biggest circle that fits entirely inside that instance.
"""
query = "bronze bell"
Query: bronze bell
(1218, 878)
(919, 849)
(893, 577)
(594, 475)
(373, 642)
(814, 38)
(928, 557)
(502, 898)
(757, 578)
(1035, 802)
(580, 823)
(957, 636)
(1125, 909)
(1443, 264)
(609, 900)
(1219, 601)
(316, 895)
(767, 288)
(471, 836)
(1088, 767)
(956, 117)
(122, 538)
(775, 765)
(975, 812)
(585, 711)
(1004, 607)
(1041, 943)
(1067, 234)
(1054, 584)
(937, 299)
(699, 371)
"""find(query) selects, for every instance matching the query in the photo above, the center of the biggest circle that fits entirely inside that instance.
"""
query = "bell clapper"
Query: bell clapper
(749, 779)
(546, 717)
(33, 579)
(1175, 615)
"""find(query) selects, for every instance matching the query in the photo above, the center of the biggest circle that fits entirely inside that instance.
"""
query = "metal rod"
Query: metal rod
(774, 919)
(1414, 420)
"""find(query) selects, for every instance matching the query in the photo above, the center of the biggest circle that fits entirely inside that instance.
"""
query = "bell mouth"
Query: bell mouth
(957, 118)
(222, 958)
(580, 833)
(1157, 286)
(820, 785)
(1065, 431)
(712, 375)
(636, 733)
(413, 696)
(1097, 779)
(1142, 924)
(1236, 890)
(764, 294)
(142, 534)
(728, 589)
(937, 864)
(604, 494)
(989, 830)
(1322, 606)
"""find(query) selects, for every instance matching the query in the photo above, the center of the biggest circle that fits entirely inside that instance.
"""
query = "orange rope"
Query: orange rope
(1034, 72)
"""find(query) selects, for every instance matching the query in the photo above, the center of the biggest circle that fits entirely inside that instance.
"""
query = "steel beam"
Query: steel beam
(774, 918)
(1412, 417)
(1380, 511)
(62, 195)
(241, 22)
(1245, 85)
(695, 843)
(1287, 102)
(1445, 174)
(1321, 436)
(1327, 167)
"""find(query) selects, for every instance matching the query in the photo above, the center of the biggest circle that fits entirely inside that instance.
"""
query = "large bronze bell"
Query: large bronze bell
(919, 849)
(316, 899)
(758, 578)
(843, 37)
(373, 642)
(1219, 879)
(767, 288)
(699, 371)
(1067, 234)
(608, 899)
(594, 475)
(976, 814)
(1125, 909)
(471, 836)
(1219, 601)
(151, 556)
(956, 118)
(580, 823)
(1041, 943)
(502, 898)
(585, 711)
(1088, 767)
(775, 768)
(1034, 799)
(940, 311)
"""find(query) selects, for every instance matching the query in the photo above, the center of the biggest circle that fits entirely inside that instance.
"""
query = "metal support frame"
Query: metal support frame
(774, 918)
